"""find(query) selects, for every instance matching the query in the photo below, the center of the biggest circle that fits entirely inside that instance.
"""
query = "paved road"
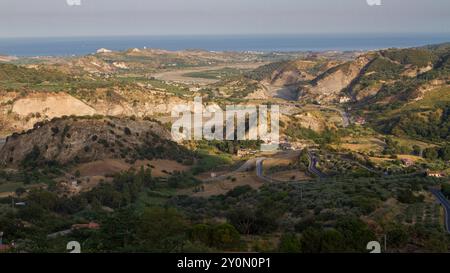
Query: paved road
(446, 204)
(257, 163)
(59, 233)
(260, 170)
(312, 166)
(245, 167)
(345, 118)
(260, 173)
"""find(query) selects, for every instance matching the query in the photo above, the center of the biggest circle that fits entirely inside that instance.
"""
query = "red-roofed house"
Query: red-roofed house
(91, 225)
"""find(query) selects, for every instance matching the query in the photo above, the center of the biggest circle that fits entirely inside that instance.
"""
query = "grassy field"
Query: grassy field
(10, 187)
(209, 161)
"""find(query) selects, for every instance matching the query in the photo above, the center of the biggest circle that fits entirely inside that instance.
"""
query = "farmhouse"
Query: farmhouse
(91, 225)
(435, 174)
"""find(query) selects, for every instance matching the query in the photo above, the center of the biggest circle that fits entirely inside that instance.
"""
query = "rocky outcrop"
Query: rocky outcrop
(81, 140)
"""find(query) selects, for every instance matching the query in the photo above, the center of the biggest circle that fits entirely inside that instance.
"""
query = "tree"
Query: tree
(127, 131)
(444, 153)
(201, 233)
(31, 160)
(311, 240)
(118, 232)
(436, 243)
(318, 240)
(430, 154)
(332, 241)
(446, 190)
(407, 197)
(392, 146)
(249, 220)
(289, 243)
(356, 234)
(239, 190)
(366, 204)
(243, 219)
(417, 150)
(225, 236)
(45, 199)
(161, 230)
(20, 191)
(397, 236)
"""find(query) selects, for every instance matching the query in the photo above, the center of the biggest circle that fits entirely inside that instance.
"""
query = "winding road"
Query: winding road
(446, 204)
(260, 170)
(312, 168)
(245, 167)
(257, 163)
(260, 173)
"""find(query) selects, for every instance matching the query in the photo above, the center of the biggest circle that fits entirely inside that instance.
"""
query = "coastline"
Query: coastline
(77, 46)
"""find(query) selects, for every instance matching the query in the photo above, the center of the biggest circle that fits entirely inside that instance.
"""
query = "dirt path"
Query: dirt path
(179, 75)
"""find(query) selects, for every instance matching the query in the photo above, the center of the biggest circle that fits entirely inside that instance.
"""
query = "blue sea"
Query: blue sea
(261, 43)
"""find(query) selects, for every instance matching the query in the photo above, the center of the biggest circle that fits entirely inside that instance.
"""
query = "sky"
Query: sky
(55, 18)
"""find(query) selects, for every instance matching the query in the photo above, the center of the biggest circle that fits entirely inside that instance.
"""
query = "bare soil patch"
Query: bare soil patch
(225, 185)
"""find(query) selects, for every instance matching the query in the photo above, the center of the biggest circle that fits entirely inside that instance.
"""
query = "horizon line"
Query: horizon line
(223, 35)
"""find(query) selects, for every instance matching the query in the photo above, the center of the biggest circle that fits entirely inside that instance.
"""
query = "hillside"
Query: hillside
(372, 78)
(427, 118)
(85, 139)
